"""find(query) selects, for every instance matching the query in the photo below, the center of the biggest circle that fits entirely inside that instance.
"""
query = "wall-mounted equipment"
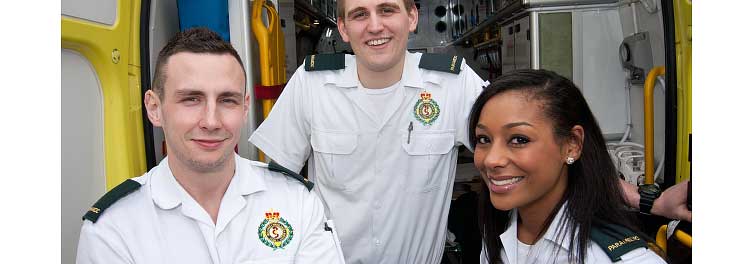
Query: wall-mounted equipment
(636, 56)
(435, 25)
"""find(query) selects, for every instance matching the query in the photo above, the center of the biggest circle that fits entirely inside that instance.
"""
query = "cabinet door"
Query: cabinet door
(523, 43)
(508, 48)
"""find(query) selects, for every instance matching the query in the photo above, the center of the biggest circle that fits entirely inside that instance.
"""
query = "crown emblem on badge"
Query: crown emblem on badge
(270, 215)
(426, 96)
(426, 109)
(275, 231)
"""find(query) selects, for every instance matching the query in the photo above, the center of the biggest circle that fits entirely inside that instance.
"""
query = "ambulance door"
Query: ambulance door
(101, 132)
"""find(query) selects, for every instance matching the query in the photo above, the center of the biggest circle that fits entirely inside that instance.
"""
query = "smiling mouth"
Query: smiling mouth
(506, 181)
(377, 42)
(209, 143)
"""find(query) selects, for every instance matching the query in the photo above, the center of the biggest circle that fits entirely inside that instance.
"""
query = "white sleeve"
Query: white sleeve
(284, 135)
(319, 245)
(472, 87)
(101, 244)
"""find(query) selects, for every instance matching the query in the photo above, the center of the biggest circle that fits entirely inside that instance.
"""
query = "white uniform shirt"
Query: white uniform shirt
(388, 194)
(544, 250)
(161, 223)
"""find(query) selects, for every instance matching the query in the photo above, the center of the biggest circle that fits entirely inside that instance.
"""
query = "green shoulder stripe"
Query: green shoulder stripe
(120, 191)
(616, 240)
(323, 62)
(273, 166)
(441, 62)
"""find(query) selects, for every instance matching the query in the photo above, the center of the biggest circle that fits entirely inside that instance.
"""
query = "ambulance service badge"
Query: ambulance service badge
(426, 109)
(274, 231)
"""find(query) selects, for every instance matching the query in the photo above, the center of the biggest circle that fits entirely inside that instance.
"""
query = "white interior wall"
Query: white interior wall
(652, 24)
(597, 70)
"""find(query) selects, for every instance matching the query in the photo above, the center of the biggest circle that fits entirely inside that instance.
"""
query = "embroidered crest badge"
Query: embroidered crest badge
(426, 109)
(274, 231)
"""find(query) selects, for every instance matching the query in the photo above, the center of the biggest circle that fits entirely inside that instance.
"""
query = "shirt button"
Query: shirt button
(376, 241)
(377, 205)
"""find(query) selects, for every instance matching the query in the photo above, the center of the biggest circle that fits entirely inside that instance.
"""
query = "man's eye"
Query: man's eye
(388, 10)
(519, 140)
(358, 15)
(190, 99)
(229, 101)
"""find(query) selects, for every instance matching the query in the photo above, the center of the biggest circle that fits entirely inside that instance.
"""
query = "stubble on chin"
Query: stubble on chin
(202, 166)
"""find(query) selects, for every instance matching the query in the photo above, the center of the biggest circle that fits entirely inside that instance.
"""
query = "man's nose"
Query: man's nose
(210, 117)
(375, 23)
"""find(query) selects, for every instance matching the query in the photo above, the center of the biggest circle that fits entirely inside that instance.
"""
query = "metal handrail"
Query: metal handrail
(662, 241)
(649, 121)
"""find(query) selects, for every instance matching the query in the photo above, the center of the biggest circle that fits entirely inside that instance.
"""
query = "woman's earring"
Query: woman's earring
(570, 160)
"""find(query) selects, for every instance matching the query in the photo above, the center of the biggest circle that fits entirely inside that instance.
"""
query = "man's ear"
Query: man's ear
(153, 104)
(342, 30)
(246, 105)
(576, 142)
(413, 18)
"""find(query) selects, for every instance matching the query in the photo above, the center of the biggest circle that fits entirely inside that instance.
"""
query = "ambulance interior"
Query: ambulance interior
(621, 53)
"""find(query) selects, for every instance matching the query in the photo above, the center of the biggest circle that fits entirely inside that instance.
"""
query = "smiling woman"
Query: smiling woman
(550, 181)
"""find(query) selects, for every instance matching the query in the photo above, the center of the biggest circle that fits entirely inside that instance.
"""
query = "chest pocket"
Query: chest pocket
(426, 152)
(334, 151)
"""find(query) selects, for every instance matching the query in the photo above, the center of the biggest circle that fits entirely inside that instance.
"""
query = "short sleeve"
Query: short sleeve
(320, 243)
(472, 87)
(284, 135)
(101, 243)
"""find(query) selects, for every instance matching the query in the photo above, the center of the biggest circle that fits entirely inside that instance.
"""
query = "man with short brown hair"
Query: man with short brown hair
(203, 203)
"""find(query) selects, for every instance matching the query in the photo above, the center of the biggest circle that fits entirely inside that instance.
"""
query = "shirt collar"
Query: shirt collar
(556, 234)
(246, 181)
(560, 237)
(167, 193)
(411, 77)
(164, 187)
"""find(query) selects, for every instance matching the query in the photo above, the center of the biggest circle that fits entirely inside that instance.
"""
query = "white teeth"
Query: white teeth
(377, 42)
(506, 182)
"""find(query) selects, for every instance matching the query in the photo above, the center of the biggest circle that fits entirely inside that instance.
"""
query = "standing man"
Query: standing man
(379, 131)
(203, 203)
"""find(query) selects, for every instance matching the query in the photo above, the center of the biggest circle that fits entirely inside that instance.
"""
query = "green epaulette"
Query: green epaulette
(323, 62)
(110, 198)
(616, 240)
(273, 166)
(441, 62)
